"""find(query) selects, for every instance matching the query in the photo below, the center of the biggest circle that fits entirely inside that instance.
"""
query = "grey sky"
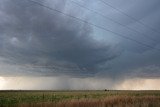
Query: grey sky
(35, 41)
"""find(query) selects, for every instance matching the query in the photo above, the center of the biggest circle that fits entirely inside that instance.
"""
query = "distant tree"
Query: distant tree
(106, 90)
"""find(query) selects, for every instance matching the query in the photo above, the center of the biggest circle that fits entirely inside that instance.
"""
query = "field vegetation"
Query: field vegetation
(105, 98)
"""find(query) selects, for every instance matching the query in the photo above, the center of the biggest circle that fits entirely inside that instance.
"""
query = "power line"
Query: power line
(131, 29)
(84, 21)
(131, 17)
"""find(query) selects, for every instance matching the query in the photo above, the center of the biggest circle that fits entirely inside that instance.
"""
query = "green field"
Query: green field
(80, 98)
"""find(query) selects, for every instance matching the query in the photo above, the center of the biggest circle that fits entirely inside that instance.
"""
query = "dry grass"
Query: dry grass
(114, 101)
(91, 99)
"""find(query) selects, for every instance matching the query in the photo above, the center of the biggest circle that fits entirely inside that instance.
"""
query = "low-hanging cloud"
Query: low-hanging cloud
(34, 39)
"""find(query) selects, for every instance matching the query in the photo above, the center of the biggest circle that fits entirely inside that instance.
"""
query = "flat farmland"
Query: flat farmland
(99, 98)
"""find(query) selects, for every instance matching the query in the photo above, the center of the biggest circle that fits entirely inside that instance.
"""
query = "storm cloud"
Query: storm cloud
(47, 42)
(37, 41)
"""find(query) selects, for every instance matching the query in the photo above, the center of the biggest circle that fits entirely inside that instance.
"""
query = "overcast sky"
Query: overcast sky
(37, 42)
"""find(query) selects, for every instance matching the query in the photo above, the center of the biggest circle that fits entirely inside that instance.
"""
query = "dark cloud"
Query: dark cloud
(46, 42)
(38, 41)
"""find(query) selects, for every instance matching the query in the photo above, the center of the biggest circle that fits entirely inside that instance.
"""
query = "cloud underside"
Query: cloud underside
(34, 39)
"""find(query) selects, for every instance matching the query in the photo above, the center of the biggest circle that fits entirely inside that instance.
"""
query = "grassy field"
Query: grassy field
(80, 98)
